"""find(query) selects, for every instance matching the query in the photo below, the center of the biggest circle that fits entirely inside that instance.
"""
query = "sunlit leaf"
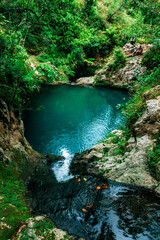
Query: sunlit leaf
(104, 186)
(84, 210)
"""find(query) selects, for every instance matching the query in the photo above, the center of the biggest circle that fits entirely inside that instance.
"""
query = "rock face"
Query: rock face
(129, 49)
(122, 77)
(149, 122)
(85, 81)
(126, 163)
(13, 145)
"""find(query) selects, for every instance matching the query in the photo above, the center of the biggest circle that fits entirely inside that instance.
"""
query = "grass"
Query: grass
(13, 206)
(154, 160)
(42, 229)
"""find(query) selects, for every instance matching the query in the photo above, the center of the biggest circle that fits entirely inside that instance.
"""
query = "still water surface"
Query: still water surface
(72, 118)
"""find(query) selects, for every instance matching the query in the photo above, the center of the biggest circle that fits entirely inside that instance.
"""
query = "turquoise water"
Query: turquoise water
(72, 118)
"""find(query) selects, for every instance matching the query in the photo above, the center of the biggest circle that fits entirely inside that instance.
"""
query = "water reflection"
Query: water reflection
(94, 210)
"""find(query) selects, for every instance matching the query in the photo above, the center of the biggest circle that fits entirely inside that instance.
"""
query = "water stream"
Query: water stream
(66, 120)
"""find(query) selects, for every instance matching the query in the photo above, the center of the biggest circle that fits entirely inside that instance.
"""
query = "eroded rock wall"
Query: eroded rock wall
(127, 164)
(14, 147)
(121, 78)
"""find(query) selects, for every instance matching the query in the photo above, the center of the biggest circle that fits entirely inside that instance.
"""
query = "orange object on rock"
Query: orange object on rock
(105, 186)
(84, 210)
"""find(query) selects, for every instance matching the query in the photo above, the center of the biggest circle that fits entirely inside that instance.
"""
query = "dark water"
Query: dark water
(113, 212)
(73, 119)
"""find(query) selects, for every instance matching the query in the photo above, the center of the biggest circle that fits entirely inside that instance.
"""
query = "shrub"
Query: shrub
(119, 60)
(17, 77)
(151, 58)
(49, 73)
(13, 206)
(154, 160)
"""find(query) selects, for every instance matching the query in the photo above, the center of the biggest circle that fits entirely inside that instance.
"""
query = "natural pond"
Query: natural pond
(72, 118)
(66, 120)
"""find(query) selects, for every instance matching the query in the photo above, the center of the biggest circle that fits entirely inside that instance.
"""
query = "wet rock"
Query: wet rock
(51, 158)
(59, 83)
(84, 204)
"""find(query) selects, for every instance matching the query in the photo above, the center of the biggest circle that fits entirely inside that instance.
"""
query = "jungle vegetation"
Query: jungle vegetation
(61, 38)
(68, 34)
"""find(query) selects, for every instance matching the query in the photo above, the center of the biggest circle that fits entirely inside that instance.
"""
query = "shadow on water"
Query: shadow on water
(89, 208)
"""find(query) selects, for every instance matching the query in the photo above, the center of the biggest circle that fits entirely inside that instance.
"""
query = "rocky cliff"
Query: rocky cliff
(116, 158)
(14, 148)
(121, 78)
(127, 161)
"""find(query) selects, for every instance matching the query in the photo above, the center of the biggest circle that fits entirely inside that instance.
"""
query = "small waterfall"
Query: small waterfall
(61, 168)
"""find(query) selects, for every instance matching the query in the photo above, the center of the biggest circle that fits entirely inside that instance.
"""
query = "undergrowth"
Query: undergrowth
(154, 159)
(145, 82)
(13, 206)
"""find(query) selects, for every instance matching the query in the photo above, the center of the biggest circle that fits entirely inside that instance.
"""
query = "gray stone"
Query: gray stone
(1, 154)
(39, 218)
(149, 122)
(85, 81)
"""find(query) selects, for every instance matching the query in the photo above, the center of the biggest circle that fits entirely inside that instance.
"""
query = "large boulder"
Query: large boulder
(85, 81)
(149, 122)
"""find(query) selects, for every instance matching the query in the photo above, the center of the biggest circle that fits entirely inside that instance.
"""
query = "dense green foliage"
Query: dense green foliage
(61, 38)
(154, 160)
(151, 58)
(17, 79)
(148, 80)
(13, 207)
(118, 60)
(66, 34)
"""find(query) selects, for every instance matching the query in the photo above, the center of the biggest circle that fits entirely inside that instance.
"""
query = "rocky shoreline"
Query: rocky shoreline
(106, 158)
(13, 140)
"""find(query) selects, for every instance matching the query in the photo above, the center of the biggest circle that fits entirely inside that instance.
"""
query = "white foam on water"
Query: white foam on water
(61, 168)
